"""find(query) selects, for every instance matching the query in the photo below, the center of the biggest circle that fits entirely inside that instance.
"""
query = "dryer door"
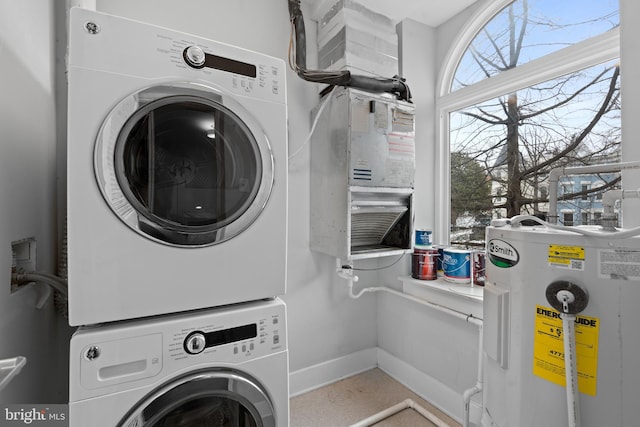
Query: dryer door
(212, 398)
(184, 164)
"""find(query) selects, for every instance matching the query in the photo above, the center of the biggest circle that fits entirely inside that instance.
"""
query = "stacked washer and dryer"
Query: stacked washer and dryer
(177, 216)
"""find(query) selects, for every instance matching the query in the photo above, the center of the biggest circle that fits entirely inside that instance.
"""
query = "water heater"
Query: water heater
(523, 335)
(362, 175)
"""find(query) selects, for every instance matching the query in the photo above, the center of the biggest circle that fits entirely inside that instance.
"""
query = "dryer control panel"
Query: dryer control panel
(153, 51)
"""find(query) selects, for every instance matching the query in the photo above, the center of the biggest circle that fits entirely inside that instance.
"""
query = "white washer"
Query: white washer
(224, 367)
(176, 171)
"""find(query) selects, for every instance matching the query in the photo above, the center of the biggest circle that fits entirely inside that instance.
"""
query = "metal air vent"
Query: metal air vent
(369, 226)
(379, 221)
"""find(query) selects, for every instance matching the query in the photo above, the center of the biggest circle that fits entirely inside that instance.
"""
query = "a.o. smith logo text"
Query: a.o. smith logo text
(502, 254)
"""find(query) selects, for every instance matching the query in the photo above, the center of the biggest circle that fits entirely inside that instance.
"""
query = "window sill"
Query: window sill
(462, 297)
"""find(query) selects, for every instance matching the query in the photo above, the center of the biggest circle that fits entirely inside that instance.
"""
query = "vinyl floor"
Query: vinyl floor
(353, 399)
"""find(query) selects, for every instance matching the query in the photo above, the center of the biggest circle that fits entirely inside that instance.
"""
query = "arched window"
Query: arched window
(529, 86)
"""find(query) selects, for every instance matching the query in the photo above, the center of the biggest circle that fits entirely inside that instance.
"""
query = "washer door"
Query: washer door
(184, 164)
(213, 398)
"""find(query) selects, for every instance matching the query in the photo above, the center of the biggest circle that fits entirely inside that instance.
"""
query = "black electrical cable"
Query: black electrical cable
(380, 268)
(395, 85)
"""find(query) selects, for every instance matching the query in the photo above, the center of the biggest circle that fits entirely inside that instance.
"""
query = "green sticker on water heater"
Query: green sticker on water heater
(502, 254)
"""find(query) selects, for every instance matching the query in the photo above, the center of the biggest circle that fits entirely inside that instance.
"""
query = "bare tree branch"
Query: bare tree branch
(568, 99)
(576, 140)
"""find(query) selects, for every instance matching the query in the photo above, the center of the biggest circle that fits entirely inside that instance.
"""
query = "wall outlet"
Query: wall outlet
(23, 258)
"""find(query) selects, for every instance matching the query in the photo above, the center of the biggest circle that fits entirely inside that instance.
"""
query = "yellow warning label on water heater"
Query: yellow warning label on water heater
(571, 257)
(548, 349)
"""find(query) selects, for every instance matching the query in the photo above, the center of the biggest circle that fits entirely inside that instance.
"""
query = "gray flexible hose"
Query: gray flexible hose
(55, 282)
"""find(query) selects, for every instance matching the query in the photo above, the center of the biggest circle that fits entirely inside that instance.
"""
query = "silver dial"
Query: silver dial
(195, 343)
(194, 56)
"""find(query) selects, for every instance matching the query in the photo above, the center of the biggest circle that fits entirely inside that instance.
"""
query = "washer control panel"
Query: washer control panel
(231, 343)
(197, 341)
(120, 356)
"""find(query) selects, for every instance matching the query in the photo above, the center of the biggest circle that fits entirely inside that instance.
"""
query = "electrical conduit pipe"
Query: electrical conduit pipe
(517, 220)
(346, 272)
(609, 199)
(405, 404)
(556, 173)
(477, 388)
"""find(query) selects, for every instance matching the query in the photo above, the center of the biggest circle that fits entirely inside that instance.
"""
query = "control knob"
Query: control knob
(195, 343)
(194, 56)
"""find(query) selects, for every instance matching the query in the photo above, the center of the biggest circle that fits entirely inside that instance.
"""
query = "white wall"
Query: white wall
(28, 197)
(438, 346)
(629, 67)
(450, 30)
(417, 44)
(323, 323)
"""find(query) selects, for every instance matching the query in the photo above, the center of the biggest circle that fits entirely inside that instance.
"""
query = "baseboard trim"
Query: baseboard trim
(316, 376)
(427, 387)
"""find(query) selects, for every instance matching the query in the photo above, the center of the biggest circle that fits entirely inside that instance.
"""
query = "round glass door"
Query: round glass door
(223, 398)
(184, 165)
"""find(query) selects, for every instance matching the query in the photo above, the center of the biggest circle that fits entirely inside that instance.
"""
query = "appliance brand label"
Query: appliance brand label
(502, 254)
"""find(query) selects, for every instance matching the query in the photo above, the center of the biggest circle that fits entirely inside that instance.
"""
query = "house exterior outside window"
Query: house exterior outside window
(528, 87)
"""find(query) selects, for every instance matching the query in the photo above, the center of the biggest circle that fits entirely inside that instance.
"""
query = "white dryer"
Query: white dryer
(217, 367)
(176, 171)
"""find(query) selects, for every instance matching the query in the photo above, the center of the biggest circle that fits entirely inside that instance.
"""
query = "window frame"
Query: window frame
(587, 53)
